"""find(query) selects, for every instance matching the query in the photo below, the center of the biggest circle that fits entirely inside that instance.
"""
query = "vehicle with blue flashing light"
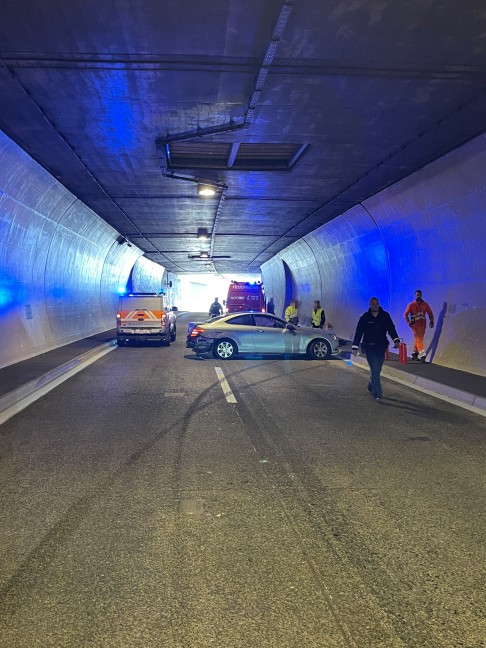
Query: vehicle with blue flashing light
(144, 317)
(245, 296)
(261, 333)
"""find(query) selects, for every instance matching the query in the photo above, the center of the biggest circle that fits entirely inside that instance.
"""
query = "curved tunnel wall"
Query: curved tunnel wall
(427, 231)
(60, 263)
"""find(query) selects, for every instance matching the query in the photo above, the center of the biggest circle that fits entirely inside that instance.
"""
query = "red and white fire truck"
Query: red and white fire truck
(245, 296)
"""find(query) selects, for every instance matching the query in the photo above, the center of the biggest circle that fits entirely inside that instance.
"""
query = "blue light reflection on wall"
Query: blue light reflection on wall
(58, 292)
(12, 293)
(370, 270)
(117, 123)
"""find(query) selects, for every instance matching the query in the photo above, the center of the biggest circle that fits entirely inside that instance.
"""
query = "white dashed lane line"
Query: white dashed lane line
(224, 385)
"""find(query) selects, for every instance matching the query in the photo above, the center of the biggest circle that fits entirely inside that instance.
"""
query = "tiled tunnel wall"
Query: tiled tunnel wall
(427, 231)
(60, 263)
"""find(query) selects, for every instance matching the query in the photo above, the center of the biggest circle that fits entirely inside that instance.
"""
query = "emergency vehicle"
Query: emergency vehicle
(245, 296)
(143, 317)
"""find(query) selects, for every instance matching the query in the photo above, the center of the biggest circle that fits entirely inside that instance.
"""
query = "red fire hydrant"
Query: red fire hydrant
(402, 353)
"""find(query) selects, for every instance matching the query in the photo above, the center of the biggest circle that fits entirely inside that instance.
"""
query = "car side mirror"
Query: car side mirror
(174, 309)
(290, 327)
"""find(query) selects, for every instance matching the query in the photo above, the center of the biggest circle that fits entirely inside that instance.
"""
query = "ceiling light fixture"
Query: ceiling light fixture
(202, 234)
(204, 255)
(205, 190)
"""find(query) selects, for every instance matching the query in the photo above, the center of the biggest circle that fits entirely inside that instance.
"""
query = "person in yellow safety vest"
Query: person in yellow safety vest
(292, 314)
(415, 316)
(318, 316)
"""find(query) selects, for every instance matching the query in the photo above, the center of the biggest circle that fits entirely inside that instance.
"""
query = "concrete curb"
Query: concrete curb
(469, 401)
(20, 398)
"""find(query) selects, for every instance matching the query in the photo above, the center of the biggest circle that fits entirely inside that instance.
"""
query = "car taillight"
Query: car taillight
(197, 330)
(163, 319)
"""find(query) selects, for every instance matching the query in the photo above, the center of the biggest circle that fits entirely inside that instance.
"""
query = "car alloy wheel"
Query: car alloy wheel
(225, 349)
(319, 350)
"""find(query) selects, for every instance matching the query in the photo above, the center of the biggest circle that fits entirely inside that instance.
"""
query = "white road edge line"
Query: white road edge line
(17, 400)
(408, 383)
(224, 386)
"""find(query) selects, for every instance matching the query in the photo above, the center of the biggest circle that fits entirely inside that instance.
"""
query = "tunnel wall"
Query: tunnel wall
(427, 231)
(60, 263)
(146, 276)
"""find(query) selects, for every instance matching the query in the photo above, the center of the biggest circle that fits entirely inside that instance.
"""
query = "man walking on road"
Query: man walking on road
(373, 327)
(415, 316)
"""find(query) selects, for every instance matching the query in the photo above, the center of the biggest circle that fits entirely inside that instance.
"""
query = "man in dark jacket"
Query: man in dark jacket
(373, 327)
(215, 308)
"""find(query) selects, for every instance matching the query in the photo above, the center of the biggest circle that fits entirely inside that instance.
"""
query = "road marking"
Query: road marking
(18, 399)
(224, 386)
(427, 386)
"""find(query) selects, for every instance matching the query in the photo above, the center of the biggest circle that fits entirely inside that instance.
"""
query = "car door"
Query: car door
(269, 334)
(239, 328)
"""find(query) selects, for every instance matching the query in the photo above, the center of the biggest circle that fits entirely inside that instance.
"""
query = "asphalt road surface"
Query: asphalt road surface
(142, 507)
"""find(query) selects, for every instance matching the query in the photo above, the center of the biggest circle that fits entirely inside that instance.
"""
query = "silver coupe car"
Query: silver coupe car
(261, 333)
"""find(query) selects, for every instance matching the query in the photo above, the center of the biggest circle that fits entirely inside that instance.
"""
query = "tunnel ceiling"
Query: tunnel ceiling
(295, 111)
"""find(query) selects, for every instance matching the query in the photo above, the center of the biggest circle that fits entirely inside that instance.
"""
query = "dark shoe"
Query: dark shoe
(414, 356)
(422, 359)
(377, 398)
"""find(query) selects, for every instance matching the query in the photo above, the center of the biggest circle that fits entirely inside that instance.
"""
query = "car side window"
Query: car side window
(240, 320)
(265, 320)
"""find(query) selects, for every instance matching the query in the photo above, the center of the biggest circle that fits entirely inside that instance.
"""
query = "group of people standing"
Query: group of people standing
(318, 316)
(373, 328)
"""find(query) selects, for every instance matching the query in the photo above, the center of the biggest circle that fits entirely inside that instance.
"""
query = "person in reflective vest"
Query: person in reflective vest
(292, 313)
(318, 316)
(416, 317)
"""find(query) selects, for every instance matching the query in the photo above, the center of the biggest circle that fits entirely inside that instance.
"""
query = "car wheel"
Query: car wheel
(173, 335)
(225, 349)
(319, 350)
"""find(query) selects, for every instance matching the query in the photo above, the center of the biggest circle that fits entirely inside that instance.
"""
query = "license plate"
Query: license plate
(142, 331)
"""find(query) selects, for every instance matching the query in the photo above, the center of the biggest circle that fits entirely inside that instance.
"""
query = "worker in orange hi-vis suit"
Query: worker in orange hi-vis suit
(415, 316)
